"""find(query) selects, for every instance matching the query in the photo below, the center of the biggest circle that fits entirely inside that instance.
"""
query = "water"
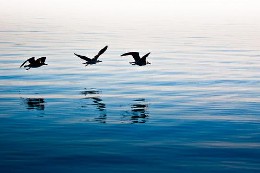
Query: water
(194, 109)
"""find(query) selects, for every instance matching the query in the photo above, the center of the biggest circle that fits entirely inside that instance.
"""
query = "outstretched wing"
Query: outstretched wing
(143, 59)
(134, 54)
(83, 57)
(31, 60)
(101, 52)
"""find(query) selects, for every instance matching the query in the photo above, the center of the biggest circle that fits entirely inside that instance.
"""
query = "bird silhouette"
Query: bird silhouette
(93, 60)
(34, 63)
(138, 61)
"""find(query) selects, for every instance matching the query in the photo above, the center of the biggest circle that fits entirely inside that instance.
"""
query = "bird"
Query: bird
(138, 61)
(93, 60)
(34, 63)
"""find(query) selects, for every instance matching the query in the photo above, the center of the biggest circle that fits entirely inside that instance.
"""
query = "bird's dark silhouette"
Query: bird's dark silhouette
(34, 63)
(138, 60)
(93, 60)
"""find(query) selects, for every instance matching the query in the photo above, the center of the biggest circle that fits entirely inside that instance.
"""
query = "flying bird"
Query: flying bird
(34, 63)
(93, 60)
(138, 60)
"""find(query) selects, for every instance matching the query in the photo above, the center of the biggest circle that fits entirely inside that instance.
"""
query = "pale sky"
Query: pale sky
(133, 8)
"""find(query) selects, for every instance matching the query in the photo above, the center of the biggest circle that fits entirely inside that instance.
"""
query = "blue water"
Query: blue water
(195, 108)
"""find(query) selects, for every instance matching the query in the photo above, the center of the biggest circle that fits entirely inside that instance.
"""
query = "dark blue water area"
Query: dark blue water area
(197, 146)
(96, 132)
(49, 124)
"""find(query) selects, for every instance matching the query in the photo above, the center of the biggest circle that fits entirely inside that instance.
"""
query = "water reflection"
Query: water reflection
(97, 102)
(34, 103)
(139, 111)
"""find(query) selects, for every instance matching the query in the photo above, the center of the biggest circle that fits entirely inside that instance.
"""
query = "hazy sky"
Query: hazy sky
(133, 8)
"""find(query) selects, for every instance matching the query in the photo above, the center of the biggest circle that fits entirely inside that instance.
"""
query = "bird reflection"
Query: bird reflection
(138, 113)
(89, 92)
(93, 95)
(35, 103)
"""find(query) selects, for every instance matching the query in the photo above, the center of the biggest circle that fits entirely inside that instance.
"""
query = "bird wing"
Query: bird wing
(101, 52)
(143, 59)
(83, 57)
(134, 54)
(41, 60)
(31, 60)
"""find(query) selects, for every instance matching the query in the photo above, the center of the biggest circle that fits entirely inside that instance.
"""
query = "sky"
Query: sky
(243, 9)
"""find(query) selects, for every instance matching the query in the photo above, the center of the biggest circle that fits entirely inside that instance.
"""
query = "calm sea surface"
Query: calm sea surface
(195, 108)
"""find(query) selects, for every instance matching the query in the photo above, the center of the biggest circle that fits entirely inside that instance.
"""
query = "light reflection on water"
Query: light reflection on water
(194, 109)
